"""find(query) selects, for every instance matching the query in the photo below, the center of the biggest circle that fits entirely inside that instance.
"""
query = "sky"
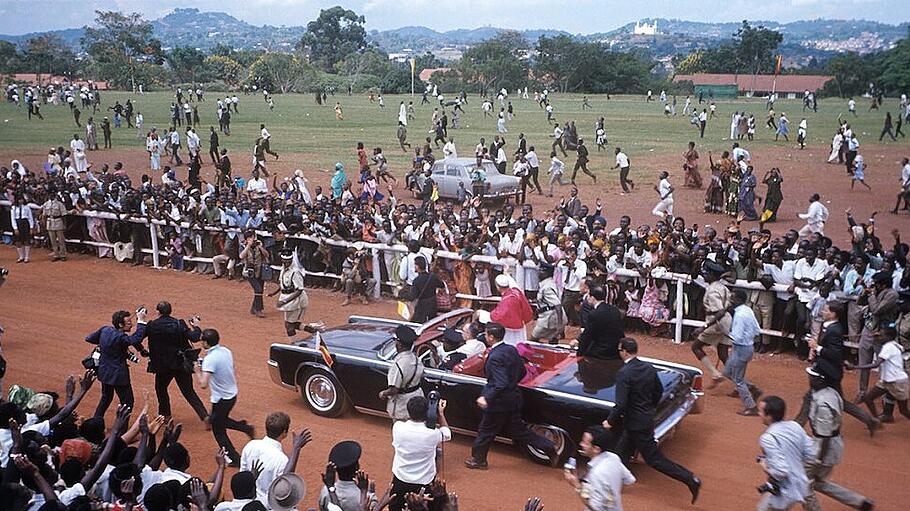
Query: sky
(583, 16)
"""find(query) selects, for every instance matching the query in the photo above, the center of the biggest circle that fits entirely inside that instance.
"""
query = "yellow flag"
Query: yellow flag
(435, 195)
(403, 310)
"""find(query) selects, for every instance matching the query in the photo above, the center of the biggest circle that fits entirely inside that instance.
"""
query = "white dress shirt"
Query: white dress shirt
(415, 450)
(604, 481)
(268, 452)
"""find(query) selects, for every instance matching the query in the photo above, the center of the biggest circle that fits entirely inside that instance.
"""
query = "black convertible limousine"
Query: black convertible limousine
(567, 394)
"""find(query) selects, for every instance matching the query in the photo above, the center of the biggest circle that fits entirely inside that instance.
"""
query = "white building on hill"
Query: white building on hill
(645, 28)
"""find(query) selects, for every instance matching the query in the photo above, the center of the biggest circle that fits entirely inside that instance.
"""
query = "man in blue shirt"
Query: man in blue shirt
(113, 343)
(216, 372)
(743, 332)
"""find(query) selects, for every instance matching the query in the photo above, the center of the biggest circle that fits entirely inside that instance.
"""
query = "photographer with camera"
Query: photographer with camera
(255, 257)
(355, 279)
(114, 344)
(415, 441)
(786, 448)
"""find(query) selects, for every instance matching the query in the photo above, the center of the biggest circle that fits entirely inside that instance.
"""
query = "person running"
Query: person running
(887, 129)
(581, 161)
(664, 207)
(623, 164)
(859, 173)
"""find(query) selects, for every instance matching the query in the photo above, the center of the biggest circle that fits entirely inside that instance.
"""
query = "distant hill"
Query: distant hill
(192, 27)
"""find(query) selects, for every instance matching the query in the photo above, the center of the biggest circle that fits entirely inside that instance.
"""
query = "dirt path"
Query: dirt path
(49, 307)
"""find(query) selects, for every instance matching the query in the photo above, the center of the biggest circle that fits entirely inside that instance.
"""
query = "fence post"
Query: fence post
(153, 233)
(377, 273)
(680, 307)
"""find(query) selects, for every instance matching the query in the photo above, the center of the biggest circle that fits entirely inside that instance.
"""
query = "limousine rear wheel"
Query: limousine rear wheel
(323, 393)
(561, 441)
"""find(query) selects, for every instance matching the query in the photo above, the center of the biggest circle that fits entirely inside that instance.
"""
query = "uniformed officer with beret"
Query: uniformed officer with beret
(405, 375)
(344, 461)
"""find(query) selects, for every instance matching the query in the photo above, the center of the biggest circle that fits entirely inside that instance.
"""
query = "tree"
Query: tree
(9, 57)
(497, 62)
(118, 44)
(48, 54)
(755, 48)
(852, 73)
(426, 61)
(336, 33)
(225, 69)
(723, 59)
(185, 62)
(557, 60)
(281, 72)
(895, 67)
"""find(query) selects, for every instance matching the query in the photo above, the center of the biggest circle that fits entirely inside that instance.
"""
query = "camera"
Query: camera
(132, 356)
(433, 408)
(770, 486)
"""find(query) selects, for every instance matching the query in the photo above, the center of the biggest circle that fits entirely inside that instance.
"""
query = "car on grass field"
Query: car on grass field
(449, 172)
(566, 395)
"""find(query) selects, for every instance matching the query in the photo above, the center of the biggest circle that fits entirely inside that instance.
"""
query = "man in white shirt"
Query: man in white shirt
(216, 372)
(448, 150)
(739, 151)
(601, 487)
(243, 489)
(815, 217)
(807, 273)
(892, 377)
(256, 185)
(415, 442)
(622, 163)
(534, 162)
(903, 194)
(664, 207)
(573, 271)
(192, 142)
(267, 452)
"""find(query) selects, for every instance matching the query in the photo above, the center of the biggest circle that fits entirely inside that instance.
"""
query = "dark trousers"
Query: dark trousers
(643, 442)
(213, 154)
(257, 285)
(124, 394)
(583, 165)
(185, 384)
(624, 179)
(400, 489)
(535, 178)
(701, 129)
(221, 421)
(492, 423)
(425, 310)
(851, 157)
(570, 300)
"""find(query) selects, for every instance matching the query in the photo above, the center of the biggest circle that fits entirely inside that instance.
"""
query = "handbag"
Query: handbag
(443, 299)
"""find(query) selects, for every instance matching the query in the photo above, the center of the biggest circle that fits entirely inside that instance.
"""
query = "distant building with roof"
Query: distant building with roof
(645, 28)
(726, 85)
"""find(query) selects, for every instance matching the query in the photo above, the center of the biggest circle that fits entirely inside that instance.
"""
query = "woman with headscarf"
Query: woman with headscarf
(338, 181)
(692, 177)
(714, 195)
(513, 312)
(747, 195)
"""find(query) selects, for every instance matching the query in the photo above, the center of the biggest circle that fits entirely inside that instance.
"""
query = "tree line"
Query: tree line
(334, 54)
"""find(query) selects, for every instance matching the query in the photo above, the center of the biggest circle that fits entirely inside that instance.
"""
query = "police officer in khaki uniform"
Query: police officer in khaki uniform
(292, 297)
(405, 375)
(551, 318)
(826, 413)
(716, 301)
(52, 213)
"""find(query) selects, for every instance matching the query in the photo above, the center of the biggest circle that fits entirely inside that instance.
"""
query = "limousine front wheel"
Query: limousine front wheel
(561, 441)
(322, 393)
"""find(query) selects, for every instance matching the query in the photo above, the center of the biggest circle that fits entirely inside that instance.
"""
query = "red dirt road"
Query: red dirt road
(49, 307)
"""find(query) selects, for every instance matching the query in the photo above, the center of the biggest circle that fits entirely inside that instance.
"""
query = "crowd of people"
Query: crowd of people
(578, 268)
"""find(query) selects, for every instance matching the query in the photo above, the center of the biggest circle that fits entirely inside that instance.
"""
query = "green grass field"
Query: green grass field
(299, 126)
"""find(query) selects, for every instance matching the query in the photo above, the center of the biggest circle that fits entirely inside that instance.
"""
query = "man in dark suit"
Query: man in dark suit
(501, 402)
(638, 390)
(113, 344)
(423, 292)
(827, 354)
(603, 328)
(168, 339)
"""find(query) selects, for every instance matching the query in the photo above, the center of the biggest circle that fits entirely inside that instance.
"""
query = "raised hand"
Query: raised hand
(156, 424)
(70, 387)
(15, 432)
(300, 441)
(328, 477)
(122, 419)
(533, 504)
(256, 468)
(87, 380)
(197, 490)
(220, 461)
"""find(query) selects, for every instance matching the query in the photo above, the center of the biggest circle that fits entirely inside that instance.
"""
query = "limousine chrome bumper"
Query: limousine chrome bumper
(667, 427)
(275, 375)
